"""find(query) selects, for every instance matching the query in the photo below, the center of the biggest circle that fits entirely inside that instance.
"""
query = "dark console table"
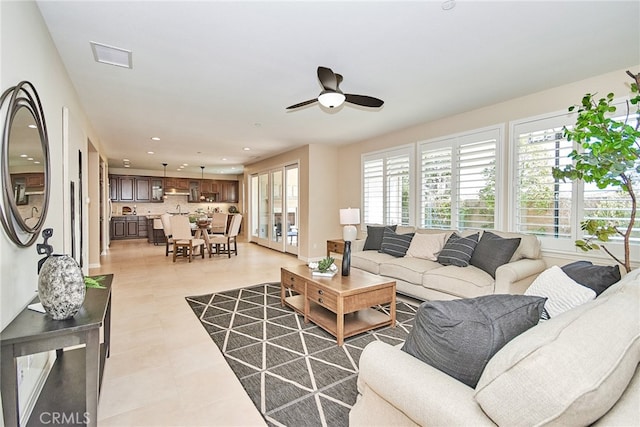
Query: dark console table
(71, 390)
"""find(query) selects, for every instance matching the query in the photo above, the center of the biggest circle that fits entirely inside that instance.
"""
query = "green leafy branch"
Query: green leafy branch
(94, 282)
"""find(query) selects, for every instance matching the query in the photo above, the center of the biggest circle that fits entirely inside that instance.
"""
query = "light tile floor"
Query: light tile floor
(164, 370)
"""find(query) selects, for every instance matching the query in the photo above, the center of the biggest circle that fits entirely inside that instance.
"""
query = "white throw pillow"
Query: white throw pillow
(562, 292)
(426, 246)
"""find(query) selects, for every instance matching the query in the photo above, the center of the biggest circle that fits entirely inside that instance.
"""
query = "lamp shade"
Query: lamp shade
(349, 216)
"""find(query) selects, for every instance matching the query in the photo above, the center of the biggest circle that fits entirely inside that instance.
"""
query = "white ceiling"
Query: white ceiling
(210, 78)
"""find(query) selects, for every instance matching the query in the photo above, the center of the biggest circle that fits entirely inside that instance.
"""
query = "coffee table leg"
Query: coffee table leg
(340, 322)
(393, 310)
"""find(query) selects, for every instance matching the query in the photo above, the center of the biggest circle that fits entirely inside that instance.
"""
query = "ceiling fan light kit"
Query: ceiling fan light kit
(331, 99)
(331, 95)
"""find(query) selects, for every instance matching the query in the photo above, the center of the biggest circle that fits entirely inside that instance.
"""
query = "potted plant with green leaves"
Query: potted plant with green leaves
(609, 157)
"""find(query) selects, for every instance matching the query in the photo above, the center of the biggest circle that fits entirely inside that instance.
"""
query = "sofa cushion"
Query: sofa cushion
(529, 247)
(426, 246)
(571, 369)
(492, 251)
(395, 244)
(596, 277)
(369, 260)
(459, 337)
(407, 269)
(375, 234)
(562, 291)
(458, 250)
(463, 282)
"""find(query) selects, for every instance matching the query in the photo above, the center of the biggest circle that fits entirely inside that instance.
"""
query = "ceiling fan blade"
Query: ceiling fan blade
(365, 101)
(327, 78)
(302, 104)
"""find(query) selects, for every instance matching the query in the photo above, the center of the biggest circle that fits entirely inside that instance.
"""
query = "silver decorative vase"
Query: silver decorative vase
(61, 286)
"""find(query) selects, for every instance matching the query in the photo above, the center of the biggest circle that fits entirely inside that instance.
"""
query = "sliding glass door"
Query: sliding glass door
(274, 208)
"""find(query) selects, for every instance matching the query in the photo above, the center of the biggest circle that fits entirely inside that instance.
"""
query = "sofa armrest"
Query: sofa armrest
(357, 245)
(515, 277)
(422, 393)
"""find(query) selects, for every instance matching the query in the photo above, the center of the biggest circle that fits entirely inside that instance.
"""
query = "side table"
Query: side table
(68, 392)
(335, 245)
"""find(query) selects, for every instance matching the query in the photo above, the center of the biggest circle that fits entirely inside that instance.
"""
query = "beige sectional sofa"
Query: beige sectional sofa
(581, 367)
(428, 280)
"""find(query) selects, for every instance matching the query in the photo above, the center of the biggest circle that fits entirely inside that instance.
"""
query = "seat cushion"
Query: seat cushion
(459, 337)
(369, 260)
(463, 282)
(571, 369)
(407, 269)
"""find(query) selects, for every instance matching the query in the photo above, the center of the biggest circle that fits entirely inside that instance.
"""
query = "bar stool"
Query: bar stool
(158, 231)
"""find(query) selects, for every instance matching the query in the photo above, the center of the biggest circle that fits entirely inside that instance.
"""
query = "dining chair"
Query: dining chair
(166, 227)
(219, 223)
(222, 242)
(183, 241)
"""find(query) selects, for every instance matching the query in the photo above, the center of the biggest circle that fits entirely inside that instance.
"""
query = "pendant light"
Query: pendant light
(202, 176)
(164, 195)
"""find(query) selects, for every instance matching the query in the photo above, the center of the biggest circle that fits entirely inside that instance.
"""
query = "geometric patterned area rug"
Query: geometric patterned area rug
(295, 373)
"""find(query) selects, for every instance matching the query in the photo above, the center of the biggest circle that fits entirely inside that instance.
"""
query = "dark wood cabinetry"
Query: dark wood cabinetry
(124, 188)
(128, 227)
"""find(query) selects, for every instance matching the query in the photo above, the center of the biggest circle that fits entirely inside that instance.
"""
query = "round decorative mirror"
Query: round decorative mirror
(25, 164)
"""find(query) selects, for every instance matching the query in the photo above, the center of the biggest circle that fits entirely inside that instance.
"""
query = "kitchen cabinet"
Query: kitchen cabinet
(35, 180)
(194, 192)
(228, 191)
(124, 188)
(128, 227)
(157, 190)
(180, 184)
(209, 186)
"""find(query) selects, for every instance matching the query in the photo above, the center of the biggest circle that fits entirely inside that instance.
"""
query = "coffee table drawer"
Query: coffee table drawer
(293, 282)
(322, 297)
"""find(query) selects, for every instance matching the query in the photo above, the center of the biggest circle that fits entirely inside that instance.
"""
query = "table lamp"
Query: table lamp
(349, 218)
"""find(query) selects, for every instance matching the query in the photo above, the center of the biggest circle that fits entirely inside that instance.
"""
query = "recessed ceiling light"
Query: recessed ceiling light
(224, 159)
(111, 55)
(30, 158)
(126, 166)
(448, 5)
(150, 152)
(33, 126)
(246, 148)
(185, 164)
(125, 160)
(23, 155)
(155, 138)
(36, 162)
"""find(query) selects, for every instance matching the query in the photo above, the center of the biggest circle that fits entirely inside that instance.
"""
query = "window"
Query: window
(553, 209)
(387, 186)
(458, 181)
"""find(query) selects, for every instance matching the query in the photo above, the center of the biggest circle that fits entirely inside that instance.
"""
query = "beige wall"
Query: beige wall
(318, 203)
(552, 100)
(27, 53)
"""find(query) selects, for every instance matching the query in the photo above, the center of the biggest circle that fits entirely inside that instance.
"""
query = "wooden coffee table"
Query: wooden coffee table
(341, 305)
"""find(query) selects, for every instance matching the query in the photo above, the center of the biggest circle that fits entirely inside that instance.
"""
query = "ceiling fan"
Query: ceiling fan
(332, 96)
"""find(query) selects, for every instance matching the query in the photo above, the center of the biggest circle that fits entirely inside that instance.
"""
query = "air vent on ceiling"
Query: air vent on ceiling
(111, 55)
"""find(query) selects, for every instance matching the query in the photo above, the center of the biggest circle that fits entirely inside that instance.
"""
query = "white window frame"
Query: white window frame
(551, 244)
(408, 150)
(456, 141)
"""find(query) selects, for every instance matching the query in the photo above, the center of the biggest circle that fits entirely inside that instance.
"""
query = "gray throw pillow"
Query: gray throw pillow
(374, 237)
(395, 244)
(458, 250)
(493, 251)
(596, 277)
(459, 337)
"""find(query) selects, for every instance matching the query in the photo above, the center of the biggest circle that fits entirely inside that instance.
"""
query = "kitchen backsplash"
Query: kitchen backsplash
(170, 205)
